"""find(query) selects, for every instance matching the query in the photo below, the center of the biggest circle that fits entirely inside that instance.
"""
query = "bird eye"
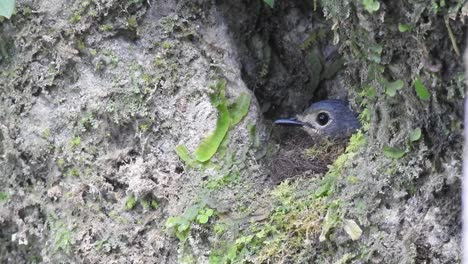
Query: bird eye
(323, 118)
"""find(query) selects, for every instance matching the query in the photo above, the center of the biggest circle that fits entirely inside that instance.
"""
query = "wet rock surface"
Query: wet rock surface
(96, 97)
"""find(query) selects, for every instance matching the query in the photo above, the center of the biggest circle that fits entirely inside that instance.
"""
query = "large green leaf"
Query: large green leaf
(7, 7)
(210, 145)
(239, 108)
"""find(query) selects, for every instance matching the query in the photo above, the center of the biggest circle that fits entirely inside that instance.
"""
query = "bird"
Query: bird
(331, 118)
(326, 126)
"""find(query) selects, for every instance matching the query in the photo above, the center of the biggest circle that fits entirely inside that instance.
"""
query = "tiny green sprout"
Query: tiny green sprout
(166, 45)
(74, 172)
(130, 203)
(143, 127)
(93, 52)
(404, 27)
(76, 141)
(391, 88)
(154, 204)
(204, 215)
(415, 134)
(421, 90)
(393, 152)
(132, 22)
(371, 5)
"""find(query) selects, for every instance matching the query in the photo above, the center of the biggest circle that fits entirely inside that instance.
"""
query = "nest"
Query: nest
(300, 155)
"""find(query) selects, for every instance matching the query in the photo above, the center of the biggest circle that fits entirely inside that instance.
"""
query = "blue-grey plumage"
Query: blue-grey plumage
(327, 118)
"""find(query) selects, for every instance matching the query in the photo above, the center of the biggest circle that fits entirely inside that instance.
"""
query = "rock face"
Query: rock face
(104, 105)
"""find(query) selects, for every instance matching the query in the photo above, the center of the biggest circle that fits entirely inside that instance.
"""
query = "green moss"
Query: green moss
(75, 18)
(46, 133)
(76, 141)
(61, 234)
(130, 203)
(4, 196)
(106, 27)
(166, 45)
(132, 22)
(73, 172)
(294, 217)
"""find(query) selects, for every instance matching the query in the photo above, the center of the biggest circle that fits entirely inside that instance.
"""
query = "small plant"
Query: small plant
(181, 225)
(404, 27)
(371, 5)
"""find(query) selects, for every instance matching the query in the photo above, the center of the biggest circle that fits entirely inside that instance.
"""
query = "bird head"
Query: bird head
(327, 118)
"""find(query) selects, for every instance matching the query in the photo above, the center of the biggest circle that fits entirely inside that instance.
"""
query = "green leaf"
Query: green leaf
(239, 108)
(203, 219)
(209, 212)
(392, 87)
(421, 90)
(393, 153)
(404, 27)
(374, 53)
(183, 226)
(172, 221)
(415, 135)
(184, 154)
(371, 5)
(191, 213)
(210, 145)
(6, 8)
(218, 96)
(270, 3)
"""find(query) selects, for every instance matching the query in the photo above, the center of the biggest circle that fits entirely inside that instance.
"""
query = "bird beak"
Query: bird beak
(289, 122)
